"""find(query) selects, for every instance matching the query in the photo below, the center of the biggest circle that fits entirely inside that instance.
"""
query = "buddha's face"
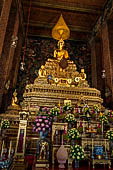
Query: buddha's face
(60, 44)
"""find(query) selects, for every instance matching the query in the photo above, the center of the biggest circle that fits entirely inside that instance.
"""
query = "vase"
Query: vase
(62, 156)
(76, 163)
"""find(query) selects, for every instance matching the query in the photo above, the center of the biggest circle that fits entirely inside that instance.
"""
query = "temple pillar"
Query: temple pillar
(106, 57)
(8, 53)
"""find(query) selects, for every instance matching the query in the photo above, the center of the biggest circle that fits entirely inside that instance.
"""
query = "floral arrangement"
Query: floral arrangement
(96, 108)
(67, 106)
(77, 152)
(109, 135)
(42, 123)
(55, 111)
(70, 118)
(103, 118)
(73, 133)
(5, 124)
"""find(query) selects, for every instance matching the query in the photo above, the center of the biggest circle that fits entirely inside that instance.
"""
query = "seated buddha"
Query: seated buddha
(60, 53)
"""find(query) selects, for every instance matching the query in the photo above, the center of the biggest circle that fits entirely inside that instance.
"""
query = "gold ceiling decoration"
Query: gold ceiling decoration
(60, 30)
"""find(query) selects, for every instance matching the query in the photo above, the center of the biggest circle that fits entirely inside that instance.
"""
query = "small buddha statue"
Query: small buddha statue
(42, 71)
(60, 52)
(82, 75)
(14, 99)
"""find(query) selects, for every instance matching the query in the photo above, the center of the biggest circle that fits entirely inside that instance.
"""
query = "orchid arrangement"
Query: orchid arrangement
(77, 152)
(70, 118)
(5, 124)
(55, 111)
(42, 123)
(73, 133)
(67, 106)
(109, 135)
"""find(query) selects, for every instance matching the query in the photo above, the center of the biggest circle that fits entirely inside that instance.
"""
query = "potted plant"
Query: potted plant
(76, 153)
(42, 124)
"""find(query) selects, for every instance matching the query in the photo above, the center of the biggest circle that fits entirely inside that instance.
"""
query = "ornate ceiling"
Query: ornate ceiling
(80, 16)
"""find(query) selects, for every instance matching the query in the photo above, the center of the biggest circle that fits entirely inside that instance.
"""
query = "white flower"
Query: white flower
(77, 79)
(56, 80)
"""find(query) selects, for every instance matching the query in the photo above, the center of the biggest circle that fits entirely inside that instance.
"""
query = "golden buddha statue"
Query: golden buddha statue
(60, 52)
(14, 99)
(42, 71)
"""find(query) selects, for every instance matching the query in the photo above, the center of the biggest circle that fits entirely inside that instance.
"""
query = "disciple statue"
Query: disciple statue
(60, 52)
(43, 150)
(14, 99)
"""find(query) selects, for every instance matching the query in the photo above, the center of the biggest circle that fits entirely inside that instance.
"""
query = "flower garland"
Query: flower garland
(42, 123)
(109, 135)
(5, 124)
(77, 152)
(55, 111)
(73, 133)
(70, 118)
(67, 106)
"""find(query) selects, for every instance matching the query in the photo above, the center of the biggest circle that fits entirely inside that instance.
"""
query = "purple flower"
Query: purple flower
(46, 121)
(42, 124)
(44, 117)
(40, 120)
(43, 129)
(36, 130)
(38, 124)
(47, 126)
(36, 120)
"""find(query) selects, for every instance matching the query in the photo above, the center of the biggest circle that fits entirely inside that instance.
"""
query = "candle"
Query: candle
(92, 145)
(2, 148)
(10, 148)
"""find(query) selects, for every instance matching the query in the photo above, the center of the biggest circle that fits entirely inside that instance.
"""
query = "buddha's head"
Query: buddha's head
(82, 70)
(60, 44)
(42, 67)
